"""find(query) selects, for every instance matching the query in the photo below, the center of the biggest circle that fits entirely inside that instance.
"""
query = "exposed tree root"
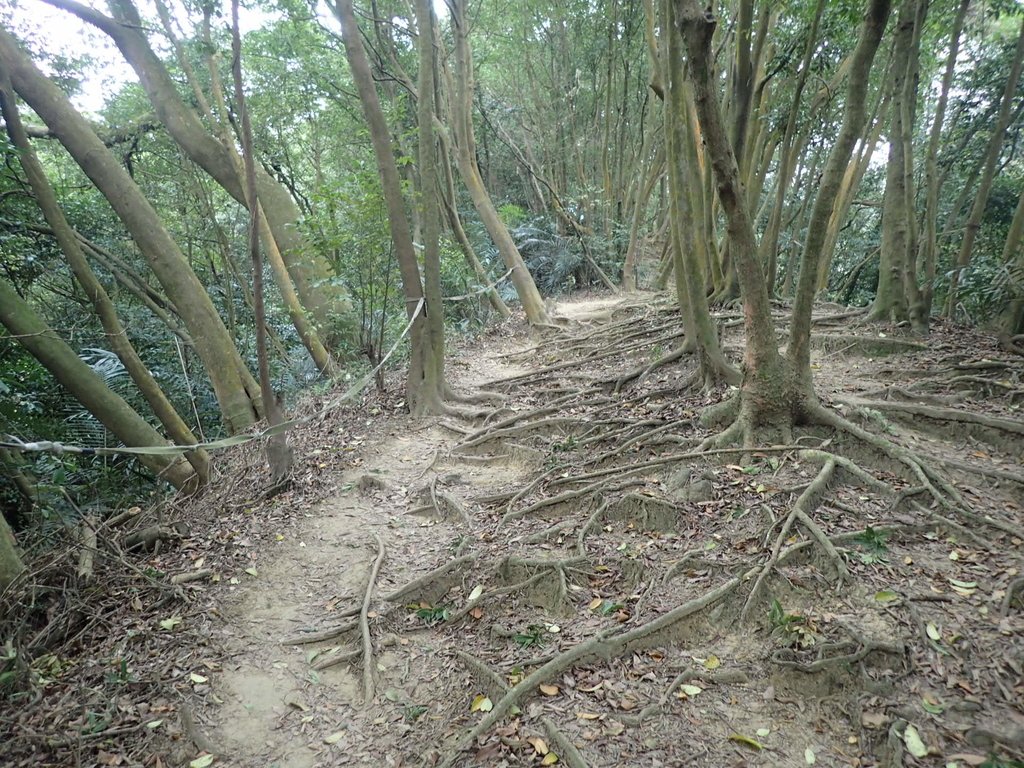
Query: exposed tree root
(364, 621)
(405, 592)
(944, 414)
(603, 644)
(842, 654)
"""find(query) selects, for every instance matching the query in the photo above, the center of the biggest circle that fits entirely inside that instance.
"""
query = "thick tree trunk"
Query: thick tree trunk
(234, 386)
(116, 334)
(775, 392)
(890, 302)
(324, 299)
(768, 390)
(86, 386)
(995, 145)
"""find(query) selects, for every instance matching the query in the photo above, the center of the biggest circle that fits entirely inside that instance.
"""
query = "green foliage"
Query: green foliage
(433, 615)
(534, 636)
(874, 544)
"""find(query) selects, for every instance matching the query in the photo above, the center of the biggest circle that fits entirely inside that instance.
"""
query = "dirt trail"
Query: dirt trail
(646, 604)
(274, 709)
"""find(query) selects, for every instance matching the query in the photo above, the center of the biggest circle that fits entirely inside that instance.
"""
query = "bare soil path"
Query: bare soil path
(570, 580)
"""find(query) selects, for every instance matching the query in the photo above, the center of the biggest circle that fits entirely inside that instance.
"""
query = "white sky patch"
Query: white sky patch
(59, 33)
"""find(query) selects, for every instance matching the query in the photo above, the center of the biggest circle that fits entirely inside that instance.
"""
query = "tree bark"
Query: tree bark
(461, 92)
(995, 145)
(234, 386)
(86, 386)
(391, 186)
(324, 299)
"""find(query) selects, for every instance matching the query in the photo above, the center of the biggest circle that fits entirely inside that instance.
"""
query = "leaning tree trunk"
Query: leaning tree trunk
(117, 335)
(86, 386)
(324, 299)
(234, 386)
(462, 119)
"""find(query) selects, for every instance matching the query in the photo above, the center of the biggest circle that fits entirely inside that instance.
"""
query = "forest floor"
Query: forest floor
(566, 579)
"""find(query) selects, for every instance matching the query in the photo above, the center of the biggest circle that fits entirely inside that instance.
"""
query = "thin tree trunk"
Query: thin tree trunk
(432, 390)
(995, 145)
(234, 386)
(279, 453)
(929, 242)
(116, 334)
(86, 386)
(769, 248)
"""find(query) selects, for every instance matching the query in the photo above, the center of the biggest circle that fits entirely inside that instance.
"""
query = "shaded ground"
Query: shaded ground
(572, 568)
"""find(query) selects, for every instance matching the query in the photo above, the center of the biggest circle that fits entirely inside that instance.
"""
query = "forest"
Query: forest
(460, 382)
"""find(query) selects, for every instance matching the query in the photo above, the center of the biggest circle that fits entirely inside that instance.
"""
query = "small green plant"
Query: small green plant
(569, 444)
(432, 615)
(414, 712)
(998, 762)
(531, 637)
(120, 674)
(792, 629)
(874, 544)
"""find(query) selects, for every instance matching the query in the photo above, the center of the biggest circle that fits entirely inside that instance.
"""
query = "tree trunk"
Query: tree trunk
(86, 386)
(234, 386)
(116, 334)
(928, 254)
(391, 186)
(324, 299)
(776, 392)
(768, 390)
(854, 117)
(432, 391)
(769, 249)
(995, 145)
(690, 285)
(890, 302)
(462, 118)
